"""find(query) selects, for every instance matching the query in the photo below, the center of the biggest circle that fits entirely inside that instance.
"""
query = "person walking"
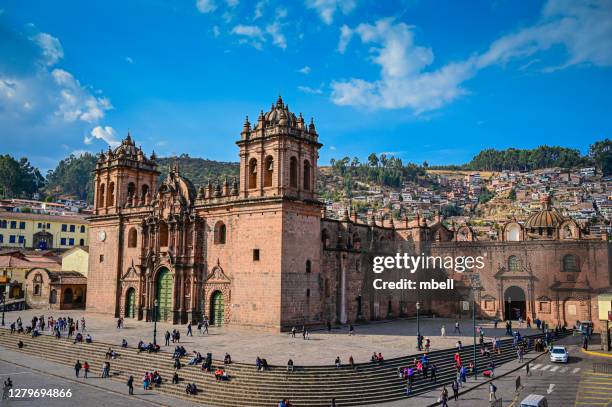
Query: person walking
(585, 343)
(189, 331)
(455, 387)
(492, 390)
(351, 330)
(167, 337)
(86, 368)
(293, 331)
(457, 328)
(434, 369)
(77, 368)
(206, 324)
(444, 397)
(130, 385)
(443, 331)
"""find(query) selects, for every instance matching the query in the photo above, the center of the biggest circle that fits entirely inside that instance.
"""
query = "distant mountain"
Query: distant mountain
(200, 170)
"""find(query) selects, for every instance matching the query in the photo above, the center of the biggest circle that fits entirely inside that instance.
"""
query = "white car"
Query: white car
(559, 354)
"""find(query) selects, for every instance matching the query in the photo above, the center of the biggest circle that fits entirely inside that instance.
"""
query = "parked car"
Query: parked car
(534, 400)
(559, 354)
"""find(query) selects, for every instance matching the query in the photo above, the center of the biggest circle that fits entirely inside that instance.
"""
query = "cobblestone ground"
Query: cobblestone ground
(392, 339)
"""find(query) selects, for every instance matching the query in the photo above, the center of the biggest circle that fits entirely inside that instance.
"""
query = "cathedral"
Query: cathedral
(260, 252)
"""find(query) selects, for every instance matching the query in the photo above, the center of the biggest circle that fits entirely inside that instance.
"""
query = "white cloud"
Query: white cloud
(278, 38)
(75, 102)
(51, 48)
(309, 90)
(256, 36)
(251, 35)
(583, 29)
(259, 9)
(305, 70)
(128, 60)
(232, 3)
(216, 31)
(104, 133)
(206, 6)
(327, 8)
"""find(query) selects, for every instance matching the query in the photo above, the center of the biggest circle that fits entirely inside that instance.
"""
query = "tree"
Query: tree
(373, 160)
(19, 178)
(73, 176)
(601, 154)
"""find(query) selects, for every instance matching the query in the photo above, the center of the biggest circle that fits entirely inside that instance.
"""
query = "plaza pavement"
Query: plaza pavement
(391, 338)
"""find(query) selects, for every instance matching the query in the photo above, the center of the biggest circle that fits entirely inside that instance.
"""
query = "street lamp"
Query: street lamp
(474, 328)
(509, 316)
(418, 307)
(155, 322)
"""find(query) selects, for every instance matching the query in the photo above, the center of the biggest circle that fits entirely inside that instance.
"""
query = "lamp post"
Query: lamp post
(474, 329)
(155, 322)
(418, 307)
(509, 316)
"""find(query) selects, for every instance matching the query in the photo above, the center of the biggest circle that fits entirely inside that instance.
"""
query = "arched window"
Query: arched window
(144, 192)
(53, 297)
(513, 233)
(308, 266)
(101, 190)
(268, 171)
(253, 173)
(307, 172)
(570, 263)
(325, 237)
(220, 233)
(293, 172)
(78, 296)
(163, 234)
(514, 263)
(68, 296)
(82, 228)
(111, 194)
(82, 242)
(132, 237)
(38, 284)
(131, 190)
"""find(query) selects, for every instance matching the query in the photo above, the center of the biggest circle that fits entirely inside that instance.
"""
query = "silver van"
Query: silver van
(534, 400)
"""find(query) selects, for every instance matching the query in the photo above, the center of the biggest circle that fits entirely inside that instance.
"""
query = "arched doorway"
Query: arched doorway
(164, 295)
(68, 296)
(515, 304)
(217, 309)
(130, 303)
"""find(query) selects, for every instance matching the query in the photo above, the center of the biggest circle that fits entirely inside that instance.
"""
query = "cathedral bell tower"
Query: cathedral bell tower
(124, 177)
(278, 156)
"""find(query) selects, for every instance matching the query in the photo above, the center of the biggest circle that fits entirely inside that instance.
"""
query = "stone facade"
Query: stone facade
(259, 252)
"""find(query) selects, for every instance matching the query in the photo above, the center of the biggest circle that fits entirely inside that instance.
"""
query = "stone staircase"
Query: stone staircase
(307, 386)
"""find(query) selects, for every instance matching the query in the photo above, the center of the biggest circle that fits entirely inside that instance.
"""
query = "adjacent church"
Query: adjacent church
(260, 252)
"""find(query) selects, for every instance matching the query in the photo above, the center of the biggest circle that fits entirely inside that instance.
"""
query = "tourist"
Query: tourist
(443, 330)
(124, 343)
(585, 343)
(12, 328)
(329, 327)
(189, 331)
(258, 364)
(290, 365)
(145, 382)
(519, 353)
(333, 402)
(111, 354)
(88, 339)
(337, 362)
(8, 385)
(352, 362)
(264, 364)
(434, 378)
(20, 345)
(86, 368)
(380, 358)
(191, 389)
(293, 331)
(130, 385)
(177, 363)
(351, 330)
(177, 337)
(167, 337)
(304, 333)
(459, 345)
(77, 368)
(492, 390)
(427, 344)
(227, 359)
(206, 324)
(175, 378)
(457, 328)
(455, 387)
(444, 397)
(83, 324)
(106, 370)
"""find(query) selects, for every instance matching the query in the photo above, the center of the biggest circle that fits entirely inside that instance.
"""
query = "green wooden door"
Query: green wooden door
(130, 303)
(217, 314)
(164, 295)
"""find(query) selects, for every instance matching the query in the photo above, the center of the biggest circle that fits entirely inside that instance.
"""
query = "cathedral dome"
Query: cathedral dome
(547, 217)
(175, 182)
(279, 115)
(126, 148)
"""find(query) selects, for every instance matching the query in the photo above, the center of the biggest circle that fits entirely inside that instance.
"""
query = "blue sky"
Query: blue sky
(424, 80)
